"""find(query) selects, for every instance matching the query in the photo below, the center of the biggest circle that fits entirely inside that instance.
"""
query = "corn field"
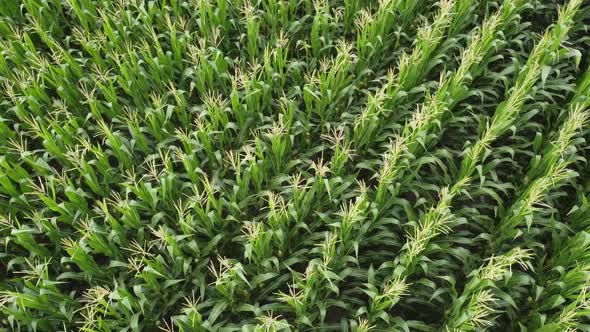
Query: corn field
(294, 165)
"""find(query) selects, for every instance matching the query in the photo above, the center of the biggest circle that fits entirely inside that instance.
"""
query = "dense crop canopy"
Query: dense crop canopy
(294, 165)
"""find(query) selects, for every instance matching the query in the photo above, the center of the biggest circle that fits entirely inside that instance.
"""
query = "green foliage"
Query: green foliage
(294, 165)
